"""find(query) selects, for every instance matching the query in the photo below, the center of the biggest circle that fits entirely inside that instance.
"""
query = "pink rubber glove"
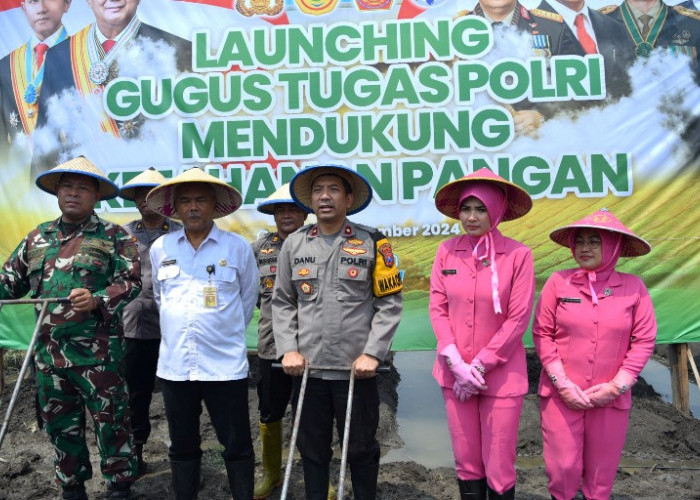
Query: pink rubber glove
(462, 392)
(467, 375)
(604, 394)
(572, 395)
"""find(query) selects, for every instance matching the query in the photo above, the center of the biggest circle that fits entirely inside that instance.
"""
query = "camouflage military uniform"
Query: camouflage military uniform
(78, 354)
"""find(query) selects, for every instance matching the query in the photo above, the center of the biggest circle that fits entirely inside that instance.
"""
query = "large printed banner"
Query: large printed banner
(584, 112)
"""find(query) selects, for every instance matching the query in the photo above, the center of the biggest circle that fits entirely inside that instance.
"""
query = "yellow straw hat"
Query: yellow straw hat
(48, 181)
(280, 197)
(161, 199)
(300, 186)
(147, 179)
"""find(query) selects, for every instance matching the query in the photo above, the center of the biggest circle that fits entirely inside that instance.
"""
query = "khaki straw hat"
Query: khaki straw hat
(279, 197)
(632, 245)
(518, 202)
(161, 199)
(48, 181)
(300, 186)
(147, 179)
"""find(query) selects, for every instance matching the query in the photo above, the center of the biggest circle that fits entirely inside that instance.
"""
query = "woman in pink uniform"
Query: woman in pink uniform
(594, 331)
(481, 293)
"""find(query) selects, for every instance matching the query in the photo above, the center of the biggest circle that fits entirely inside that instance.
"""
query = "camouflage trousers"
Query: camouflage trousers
(64, 394)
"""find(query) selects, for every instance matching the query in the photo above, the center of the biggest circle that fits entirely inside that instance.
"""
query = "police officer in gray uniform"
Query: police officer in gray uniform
(140, 317)
(336, 302)
(274, 386)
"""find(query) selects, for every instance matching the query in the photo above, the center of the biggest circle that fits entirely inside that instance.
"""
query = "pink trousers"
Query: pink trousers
(581, 448)
(484, 432)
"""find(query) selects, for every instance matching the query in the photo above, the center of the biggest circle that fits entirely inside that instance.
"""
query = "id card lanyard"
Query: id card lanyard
(210, 289)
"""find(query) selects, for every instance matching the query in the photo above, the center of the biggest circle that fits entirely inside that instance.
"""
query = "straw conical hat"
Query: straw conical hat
(147, 179)
(300, 186)
(48, 181)
(161, 199)
(518, 201)
(632, 245)
(280, 197)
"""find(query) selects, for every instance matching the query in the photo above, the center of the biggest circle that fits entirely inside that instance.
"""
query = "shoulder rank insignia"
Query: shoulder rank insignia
(544, 14)
(608, 9)
(685, 11)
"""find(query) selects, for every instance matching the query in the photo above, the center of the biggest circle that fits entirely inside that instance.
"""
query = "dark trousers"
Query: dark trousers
(140, 363)
(227, 404)
(274, 391)
(326, 400)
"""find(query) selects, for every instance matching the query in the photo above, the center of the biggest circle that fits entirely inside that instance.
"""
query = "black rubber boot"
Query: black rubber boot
(315, 481)
(241, 478)
(472, 489)
(186, 479)
(364, 482)
(74, 492)
(506, 495)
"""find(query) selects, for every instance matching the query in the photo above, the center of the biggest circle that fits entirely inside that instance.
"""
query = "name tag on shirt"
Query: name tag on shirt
(570, 299)
(449, 271)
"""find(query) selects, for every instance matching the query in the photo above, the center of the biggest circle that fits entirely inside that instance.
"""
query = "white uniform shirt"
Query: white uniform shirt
(199, 342)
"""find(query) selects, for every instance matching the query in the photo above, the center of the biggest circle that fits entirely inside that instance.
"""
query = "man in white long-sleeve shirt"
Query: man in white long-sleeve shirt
(205, 283)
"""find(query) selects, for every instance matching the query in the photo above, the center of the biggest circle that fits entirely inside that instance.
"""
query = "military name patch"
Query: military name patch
(304, 260)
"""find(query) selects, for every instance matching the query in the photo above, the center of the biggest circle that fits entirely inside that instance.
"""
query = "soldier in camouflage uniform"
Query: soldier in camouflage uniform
(274, 386)
(95, 264)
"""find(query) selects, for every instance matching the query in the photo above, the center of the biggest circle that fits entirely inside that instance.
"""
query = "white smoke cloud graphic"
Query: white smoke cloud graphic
(74, 120)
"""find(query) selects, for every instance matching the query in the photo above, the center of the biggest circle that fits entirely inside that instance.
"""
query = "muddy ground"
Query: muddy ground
(661, 459)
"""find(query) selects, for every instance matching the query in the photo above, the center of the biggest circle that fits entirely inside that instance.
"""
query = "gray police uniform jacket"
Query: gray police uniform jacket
(266, 250)
(334, 303)
(140, 317)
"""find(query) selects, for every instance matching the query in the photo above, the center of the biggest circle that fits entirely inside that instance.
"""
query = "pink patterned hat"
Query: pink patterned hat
(161, 199)
(518, 202)
(632, 245)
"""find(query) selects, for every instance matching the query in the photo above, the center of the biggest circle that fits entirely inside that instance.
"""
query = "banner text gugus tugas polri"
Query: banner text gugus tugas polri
(373, 89)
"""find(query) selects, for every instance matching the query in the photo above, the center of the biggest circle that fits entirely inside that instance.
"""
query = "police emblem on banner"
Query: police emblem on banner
(251, 8)
(316, 7)
(429, 3)
(373, 4)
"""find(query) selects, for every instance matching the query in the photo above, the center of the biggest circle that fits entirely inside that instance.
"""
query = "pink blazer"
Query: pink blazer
(594, 342)
(461, 311)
